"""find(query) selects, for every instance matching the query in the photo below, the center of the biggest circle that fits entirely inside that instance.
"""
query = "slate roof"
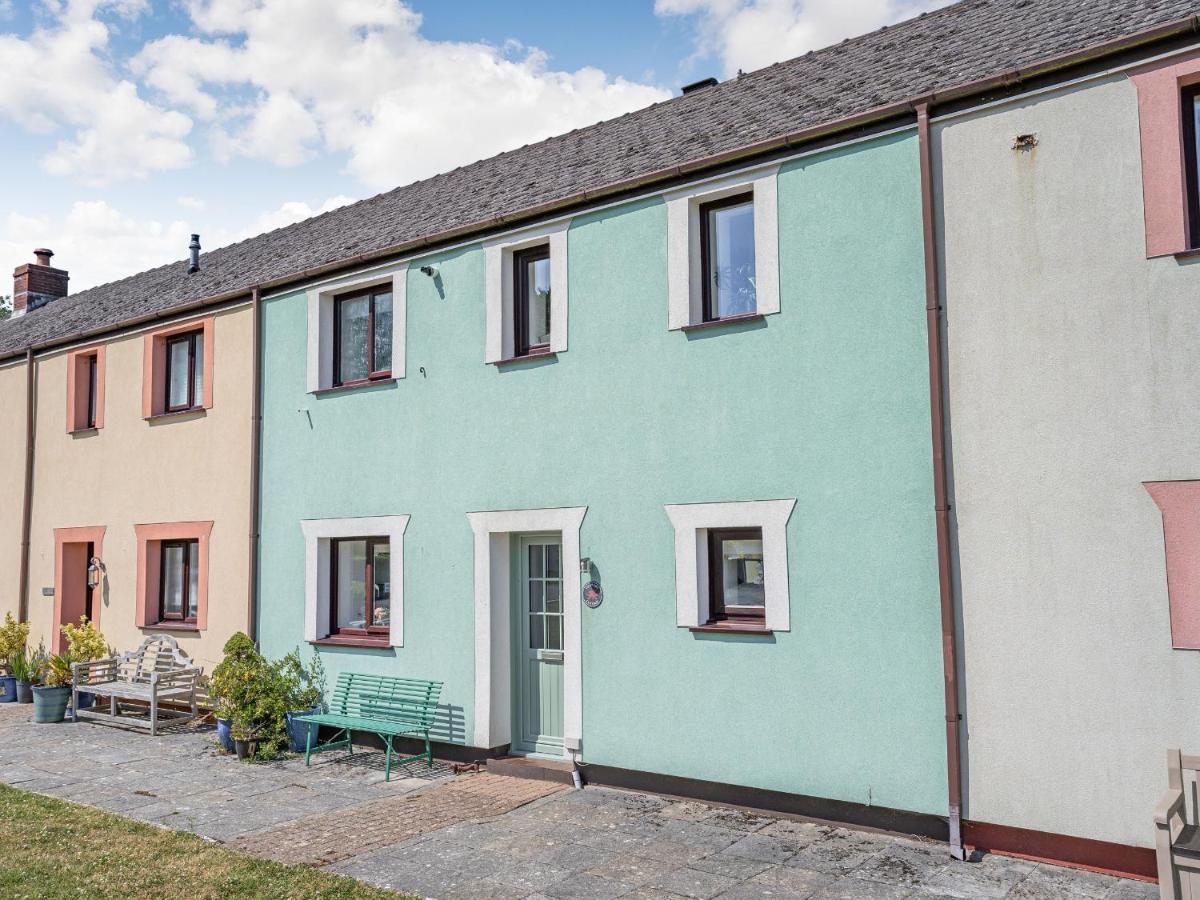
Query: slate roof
(965, 42)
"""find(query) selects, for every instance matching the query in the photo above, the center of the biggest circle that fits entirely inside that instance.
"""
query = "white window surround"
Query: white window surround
(692, 522)
(320, 322)
(500, 343)
(317, 536)
(493, 610)
(684, 278)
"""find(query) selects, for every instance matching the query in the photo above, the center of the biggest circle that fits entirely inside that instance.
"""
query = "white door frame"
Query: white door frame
(493, 632)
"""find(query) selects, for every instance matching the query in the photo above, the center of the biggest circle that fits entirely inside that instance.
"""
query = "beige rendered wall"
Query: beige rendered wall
(133, 472)
(12, 482)
(1074, 376)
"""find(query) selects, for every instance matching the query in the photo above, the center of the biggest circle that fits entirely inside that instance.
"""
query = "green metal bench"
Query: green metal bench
(379, 705)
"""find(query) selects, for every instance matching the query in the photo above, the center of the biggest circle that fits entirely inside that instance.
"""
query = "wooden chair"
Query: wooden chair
(158, 670)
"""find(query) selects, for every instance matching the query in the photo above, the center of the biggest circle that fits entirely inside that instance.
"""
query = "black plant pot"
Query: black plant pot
(24, 692)
(244, 749)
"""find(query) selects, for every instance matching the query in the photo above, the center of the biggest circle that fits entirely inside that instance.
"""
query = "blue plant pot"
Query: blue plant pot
(224, 735)
(86, 700)
(50, 703)
(8, 689)
(297, 732)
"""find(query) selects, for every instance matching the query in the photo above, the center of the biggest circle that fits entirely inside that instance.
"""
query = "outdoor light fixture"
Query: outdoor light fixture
(95, 571)
(431, 271)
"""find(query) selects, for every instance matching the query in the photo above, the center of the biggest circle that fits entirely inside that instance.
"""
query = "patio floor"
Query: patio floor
(488, 836)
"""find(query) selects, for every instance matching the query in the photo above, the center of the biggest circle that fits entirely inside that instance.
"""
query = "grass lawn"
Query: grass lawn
(51, 848)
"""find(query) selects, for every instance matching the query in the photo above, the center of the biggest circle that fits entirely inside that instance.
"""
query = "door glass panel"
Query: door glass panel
(554, 626)
(172, 581)
(731, 260)
(383, 332)
(552, 561)
(381, 574)
(553, 597)
(535, 596)
(353, 325)
(742, 572)
(177, 374)
(351, 584)
(193, 587)
(535, 560)
(536, 641)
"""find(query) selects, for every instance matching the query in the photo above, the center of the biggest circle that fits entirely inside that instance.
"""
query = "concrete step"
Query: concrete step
(555, 770)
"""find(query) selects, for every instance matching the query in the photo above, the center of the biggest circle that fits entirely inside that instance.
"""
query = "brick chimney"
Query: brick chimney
(36, 284)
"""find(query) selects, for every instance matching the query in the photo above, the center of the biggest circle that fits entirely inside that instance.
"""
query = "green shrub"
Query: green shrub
(13, 635)
(84, 642)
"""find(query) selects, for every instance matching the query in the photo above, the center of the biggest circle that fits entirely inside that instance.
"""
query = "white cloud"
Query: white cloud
(98, 243)
(60, 78)
(750, 34)
(282, 80)
(189, 202)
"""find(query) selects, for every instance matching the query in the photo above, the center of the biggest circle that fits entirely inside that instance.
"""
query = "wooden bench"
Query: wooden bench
(1177, 843)
(379, 705)
(157, 670)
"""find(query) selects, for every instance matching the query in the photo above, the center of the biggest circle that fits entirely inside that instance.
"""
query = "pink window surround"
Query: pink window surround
(77, 387)
(1179, 502)
(154, 365)
(149, 562)
(70, 578)
(1164, 178)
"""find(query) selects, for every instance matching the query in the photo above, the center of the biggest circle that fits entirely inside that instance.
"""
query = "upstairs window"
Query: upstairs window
(531, 301)
(361, 587)
(179, 582)
(727, 257)
(85, 390)
(362, 338)
(185, 371)
(1191, 125)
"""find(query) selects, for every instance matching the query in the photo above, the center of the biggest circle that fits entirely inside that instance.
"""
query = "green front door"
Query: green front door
(538, 645)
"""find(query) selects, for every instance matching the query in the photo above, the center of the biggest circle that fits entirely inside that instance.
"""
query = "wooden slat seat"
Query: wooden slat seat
(377, 704)
(157, 670)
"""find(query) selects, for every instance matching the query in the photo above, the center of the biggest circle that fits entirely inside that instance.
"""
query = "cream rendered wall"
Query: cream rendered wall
(12, 482)
(132, 472)
(1074, 376)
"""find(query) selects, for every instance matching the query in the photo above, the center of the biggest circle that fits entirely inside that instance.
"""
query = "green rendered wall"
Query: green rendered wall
(826, 402)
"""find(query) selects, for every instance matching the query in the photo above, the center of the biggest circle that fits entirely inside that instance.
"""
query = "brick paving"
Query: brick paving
(330, 837)
(488, 836)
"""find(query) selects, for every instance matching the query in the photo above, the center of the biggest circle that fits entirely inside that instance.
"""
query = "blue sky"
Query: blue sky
(128, 124)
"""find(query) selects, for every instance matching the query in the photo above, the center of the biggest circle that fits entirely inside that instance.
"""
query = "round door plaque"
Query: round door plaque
(593, 594)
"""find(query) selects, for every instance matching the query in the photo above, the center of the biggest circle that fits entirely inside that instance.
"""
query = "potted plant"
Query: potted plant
(21, 668)
(50, 699)
(13, 635)
(251, 697)
(84, 644)
(303, 687)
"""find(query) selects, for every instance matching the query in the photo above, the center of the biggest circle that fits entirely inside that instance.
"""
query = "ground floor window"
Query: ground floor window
(737, 592)
(179, 581)
(360, 589)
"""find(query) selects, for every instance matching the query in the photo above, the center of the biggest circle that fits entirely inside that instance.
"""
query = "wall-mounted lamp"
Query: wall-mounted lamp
(95, 571)
(431, 271)
(585, 565)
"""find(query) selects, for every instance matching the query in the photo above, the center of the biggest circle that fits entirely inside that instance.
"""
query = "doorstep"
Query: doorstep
(556, 770)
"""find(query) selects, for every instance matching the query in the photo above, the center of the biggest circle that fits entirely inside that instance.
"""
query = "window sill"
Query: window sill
(171, 626)
(730, 628)
(355, 386)
(514, 360)
(363, 643)
(729, 320)
(195, 412)
(1193, 253)
(83, 432)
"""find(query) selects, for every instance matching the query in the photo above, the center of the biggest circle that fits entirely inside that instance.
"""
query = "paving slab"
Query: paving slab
(489, 837)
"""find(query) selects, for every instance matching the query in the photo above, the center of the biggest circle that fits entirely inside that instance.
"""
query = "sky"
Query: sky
(126, 125)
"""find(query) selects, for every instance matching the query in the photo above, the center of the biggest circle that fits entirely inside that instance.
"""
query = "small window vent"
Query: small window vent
(699, 85)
